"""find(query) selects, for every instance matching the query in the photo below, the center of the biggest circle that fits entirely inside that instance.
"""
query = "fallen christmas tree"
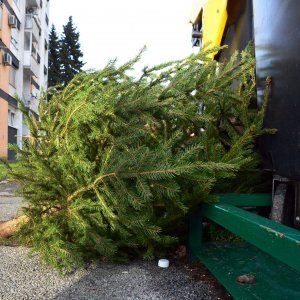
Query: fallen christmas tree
(115, 163)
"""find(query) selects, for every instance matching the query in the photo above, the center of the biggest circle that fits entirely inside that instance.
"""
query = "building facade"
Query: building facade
(24, 31)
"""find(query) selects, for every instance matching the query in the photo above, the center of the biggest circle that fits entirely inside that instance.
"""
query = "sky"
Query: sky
(120, 28)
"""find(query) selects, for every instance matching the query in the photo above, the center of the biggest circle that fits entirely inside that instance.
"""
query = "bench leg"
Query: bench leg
(195, 234)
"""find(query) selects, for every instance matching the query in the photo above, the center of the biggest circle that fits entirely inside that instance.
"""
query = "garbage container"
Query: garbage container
(274, 28)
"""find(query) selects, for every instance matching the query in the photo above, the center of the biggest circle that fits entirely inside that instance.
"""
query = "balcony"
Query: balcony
(32, 3)
(27, 99)
(31, 24)
(30, 62)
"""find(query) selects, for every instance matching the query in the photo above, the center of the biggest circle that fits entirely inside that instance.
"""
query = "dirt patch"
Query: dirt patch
(200, 273)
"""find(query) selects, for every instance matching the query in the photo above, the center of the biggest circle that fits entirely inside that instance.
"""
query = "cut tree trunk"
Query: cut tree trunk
(9, 228)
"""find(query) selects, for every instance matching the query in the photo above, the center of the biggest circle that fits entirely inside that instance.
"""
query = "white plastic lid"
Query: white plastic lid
(163, 263)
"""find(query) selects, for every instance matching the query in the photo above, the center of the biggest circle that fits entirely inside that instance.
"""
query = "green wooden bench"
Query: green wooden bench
(269, 251)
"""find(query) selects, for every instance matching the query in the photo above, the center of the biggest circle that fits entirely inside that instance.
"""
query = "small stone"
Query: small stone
(246, 279)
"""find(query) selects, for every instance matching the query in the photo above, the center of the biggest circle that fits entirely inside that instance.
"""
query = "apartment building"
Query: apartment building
(24, 30)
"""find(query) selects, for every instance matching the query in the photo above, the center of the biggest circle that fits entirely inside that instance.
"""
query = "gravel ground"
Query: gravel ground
(26, 277)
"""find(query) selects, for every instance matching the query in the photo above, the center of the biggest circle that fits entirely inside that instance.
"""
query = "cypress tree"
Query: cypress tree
(114, 163)
(70, 53)
(54, 71)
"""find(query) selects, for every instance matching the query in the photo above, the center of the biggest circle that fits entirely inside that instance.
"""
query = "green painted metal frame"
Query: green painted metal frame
(280, 241)
(274, 279)
(276, 240)
(244, 200)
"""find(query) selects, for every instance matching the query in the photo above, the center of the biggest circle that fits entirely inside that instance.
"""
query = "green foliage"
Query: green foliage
(3, 172)
(64, 55)
(5, 167)
(70, 53)
(54, 73)
(115, 163)
(10, 242)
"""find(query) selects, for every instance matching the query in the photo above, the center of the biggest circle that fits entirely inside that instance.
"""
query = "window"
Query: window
(11, 118)
(12, 76)
(15, 37)
(27, 41)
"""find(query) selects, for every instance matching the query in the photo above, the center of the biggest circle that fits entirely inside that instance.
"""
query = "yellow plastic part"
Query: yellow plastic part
(214, 18)
(214, 21)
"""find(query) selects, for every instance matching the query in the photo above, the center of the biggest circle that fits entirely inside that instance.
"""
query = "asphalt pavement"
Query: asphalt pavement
(25, 276)
(10, 204)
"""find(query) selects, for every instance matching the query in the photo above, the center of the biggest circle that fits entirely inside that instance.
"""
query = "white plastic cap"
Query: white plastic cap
(163, 263)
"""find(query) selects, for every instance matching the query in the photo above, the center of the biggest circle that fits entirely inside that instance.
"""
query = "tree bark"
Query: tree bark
(9, 228)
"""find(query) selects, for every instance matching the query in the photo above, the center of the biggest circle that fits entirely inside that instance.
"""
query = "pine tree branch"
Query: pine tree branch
(70, 117)
(90, 186)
